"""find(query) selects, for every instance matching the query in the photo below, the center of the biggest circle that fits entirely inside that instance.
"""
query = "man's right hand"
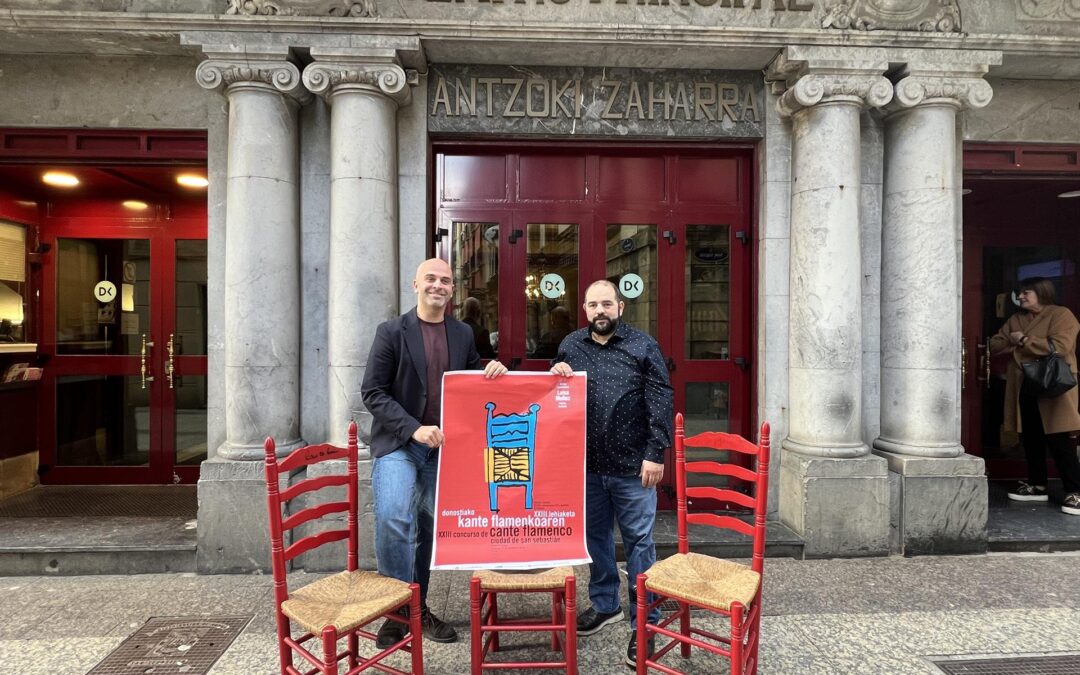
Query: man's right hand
(430, 436)
(562, 368)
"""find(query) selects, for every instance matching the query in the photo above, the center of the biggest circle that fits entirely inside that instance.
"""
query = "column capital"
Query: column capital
(269, 68)
(807, 76)
(377, 71)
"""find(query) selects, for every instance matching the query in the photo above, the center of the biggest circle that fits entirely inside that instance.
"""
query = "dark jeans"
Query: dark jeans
(1036, 442)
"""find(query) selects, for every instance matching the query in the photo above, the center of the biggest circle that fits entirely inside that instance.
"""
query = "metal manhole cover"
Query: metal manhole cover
(1051, 664)
(173, 646)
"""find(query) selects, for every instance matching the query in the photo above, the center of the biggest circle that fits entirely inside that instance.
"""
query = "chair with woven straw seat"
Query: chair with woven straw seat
(695, 580)
(343, 604)
(484, 589)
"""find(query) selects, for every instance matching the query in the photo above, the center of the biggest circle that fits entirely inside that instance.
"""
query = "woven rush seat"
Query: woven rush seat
(345, 600)
(524, 580)
(704, 580)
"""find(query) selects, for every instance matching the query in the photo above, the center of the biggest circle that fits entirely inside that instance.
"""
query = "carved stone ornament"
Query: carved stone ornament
(932, 16)
(969, 92)
(344, 8)
(813, 88)
(281, 75)
(1048, 10)
(389, 79)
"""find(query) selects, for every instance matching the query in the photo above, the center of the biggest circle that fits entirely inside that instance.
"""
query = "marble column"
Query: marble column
(942, 499)
(261, 299)
(364, 89)
(833, 491)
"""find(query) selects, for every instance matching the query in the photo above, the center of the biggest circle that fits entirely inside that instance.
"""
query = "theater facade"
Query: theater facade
(819, 208)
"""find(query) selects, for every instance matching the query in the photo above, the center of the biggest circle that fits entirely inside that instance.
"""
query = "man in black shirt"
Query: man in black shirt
(402, 390)
(629, 427)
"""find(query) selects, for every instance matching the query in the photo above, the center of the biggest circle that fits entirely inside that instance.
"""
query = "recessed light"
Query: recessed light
(192, 180)
(965, 191)
(25, 202)
(60, 179)
(136, 205)
(1069, 195)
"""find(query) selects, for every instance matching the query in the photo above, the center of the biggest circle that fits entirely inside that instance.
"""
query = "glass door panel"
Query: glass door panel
(102, 420)
(474, 259)
(632, 264)
(551, 286)
(708, 293)
(185, 354)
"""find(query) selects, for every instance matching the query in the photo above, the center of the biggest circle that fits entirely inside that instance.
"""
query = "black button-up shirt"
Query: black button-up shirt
(629, 399)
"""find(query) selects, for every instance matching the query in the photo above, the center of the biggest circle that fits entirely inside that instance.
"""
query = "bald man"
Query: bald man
(402, 390)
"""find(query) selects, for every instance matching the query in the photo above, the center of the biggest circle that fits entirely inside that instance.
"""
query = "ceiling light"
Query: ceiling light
(136, 205)
(1070, 194)
(192, 180)
(60, 179)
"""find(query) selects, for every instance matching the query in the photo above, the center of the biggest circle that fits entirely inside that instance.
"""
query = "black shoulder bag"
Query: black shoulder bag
(1047, 376)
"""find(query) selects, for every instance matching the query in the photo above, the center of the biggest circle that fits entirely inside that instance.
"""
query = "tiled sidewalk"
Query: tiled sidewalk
(884, 615)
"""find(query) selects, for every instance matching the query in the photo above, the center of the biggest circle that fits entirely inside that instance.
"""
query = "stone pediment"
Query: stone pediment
(940, 16)
(353, 8)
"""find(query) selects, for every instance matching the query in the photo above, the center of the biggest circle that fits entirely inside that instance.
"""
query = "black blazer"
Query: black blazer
(395, 381)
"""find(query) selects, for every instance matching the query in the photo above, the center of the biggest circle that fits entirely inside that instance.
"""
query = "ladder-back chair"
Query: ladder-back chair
(340, 605)
(691, 579)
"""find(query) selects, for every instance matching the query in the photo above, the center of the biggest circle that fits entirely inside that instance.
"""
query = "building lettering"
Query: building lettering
(775, 5)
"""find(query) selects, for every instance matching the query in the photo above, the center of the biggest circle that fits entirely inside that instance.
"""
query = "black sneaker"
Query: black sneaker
(631, 651)
(1028, 493)
(590, 621)
(435, 629)
(390, 633)
(1071, 505)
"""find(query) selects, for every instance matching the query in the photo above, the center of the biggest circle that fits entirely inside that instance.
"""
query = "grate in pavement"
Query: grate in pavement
(673, 605)
(1058, 664)
(173, 646)
(82, 501)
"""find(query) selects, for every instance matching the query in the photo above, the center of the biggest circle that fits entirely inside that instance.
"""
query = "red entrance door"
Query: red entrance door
(123, 326)
(527, 231)
(1015, 226)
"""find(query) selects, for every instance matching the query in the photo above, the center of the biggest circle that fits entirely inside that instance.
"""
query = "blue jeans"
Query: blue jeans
(610, 499)
(403, 486)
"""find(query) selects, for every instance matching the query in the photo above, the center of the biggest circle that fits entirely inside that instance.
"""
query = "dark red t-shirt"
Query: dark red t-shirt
(437, 355)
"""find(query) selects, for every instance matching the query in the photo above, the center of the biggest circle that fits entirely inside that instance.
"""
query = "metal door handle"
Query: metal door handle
(963, 363)
(741, 362)
(142, 362)
(169, 367)
(670, 364)
(984, 366)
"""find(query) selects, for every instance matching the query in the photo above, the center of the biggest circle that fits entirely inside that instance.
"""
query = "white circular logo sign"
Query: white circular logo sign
(631, 285)
(105, 291)
(552, 286)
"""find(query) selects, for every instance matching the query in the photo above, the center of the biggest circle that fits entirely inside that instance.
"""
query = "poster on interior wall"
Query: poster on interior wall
(511, 485)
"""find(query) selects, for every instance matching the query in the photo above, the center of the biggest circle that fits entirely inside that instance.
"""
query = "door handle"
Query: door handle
(669, 235)
(670, 364)
(984, 365)
(169, 367)
(142, 362)
(515, 235)
(963, 363)
(741, 362)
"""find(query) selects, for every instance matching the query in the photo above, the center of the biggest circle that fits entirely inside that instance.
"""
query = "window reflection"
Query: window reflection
(706, 410)
(631, 250)
(708, 292)
(474, 257)
(551, 287)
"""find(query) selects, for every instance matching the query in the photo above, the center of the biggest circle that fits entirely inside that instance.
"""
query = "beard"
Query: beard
(611, 323)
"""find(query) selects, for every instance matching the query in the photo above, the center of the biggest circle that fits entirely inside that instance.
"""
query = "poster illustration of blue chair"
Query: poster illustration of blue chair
(510, 453)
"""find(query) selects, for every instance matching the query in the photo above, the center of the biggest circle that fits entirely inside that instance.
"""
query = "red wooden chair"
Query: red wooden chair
(485, 587)
(340, 605)
(695, 580)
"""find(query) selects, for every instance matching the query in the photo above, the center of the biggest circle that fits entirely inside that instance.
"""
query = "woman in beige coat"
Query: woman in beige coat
(1044, 423)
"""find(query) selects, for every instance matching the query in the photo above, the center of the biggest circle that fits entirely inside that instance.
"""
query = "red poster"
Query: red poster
(511, 486)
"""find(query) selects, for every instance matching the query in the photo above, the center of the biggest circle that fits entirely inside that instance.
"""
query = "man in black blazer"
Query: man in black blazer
(402, 390)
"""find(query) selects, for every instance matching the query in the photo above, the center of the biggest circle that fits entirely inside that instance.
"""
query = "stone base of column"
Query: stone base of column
(840, 507)
(233, 533)
(256, 453)
(939, 504)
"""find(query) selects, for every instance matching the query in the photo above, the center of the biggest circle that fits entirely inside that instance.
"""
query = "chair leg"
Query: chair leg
(570, 643)
(329, 651)
(354, 649)
(416, 630)
(642, 624)
(284, 651)
(556, 606)
(684, 628)
(493, 620)
(736, 638)
(476, 633)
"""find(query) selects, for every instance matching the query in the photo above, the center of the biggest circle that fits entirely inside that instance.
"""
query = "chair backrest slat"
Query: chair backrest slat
(726, 522)
(721, 494)
(717, 469)
(312, 484)
(314, 541)
(311, 454)
(757, 479)
(311, 513)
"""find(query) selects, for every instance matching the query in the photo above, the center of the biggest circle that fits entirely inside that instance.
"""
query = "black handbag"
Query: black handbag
(1047, 376)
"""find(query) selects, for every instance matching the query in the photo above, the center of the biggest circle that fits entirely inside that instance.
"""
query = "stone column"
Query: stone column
(261, 299)
(834, 492)
(920, 343)
(364, 89)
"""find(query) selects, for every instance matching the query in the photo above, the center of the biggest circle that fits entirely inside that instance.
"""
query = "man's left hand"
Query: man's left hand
(651, 473)
(494, 369)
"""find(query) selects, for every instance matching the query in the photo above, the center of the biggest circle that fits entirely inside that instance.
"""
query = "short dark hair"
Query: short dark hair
(610, 284)
(1043, 287)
